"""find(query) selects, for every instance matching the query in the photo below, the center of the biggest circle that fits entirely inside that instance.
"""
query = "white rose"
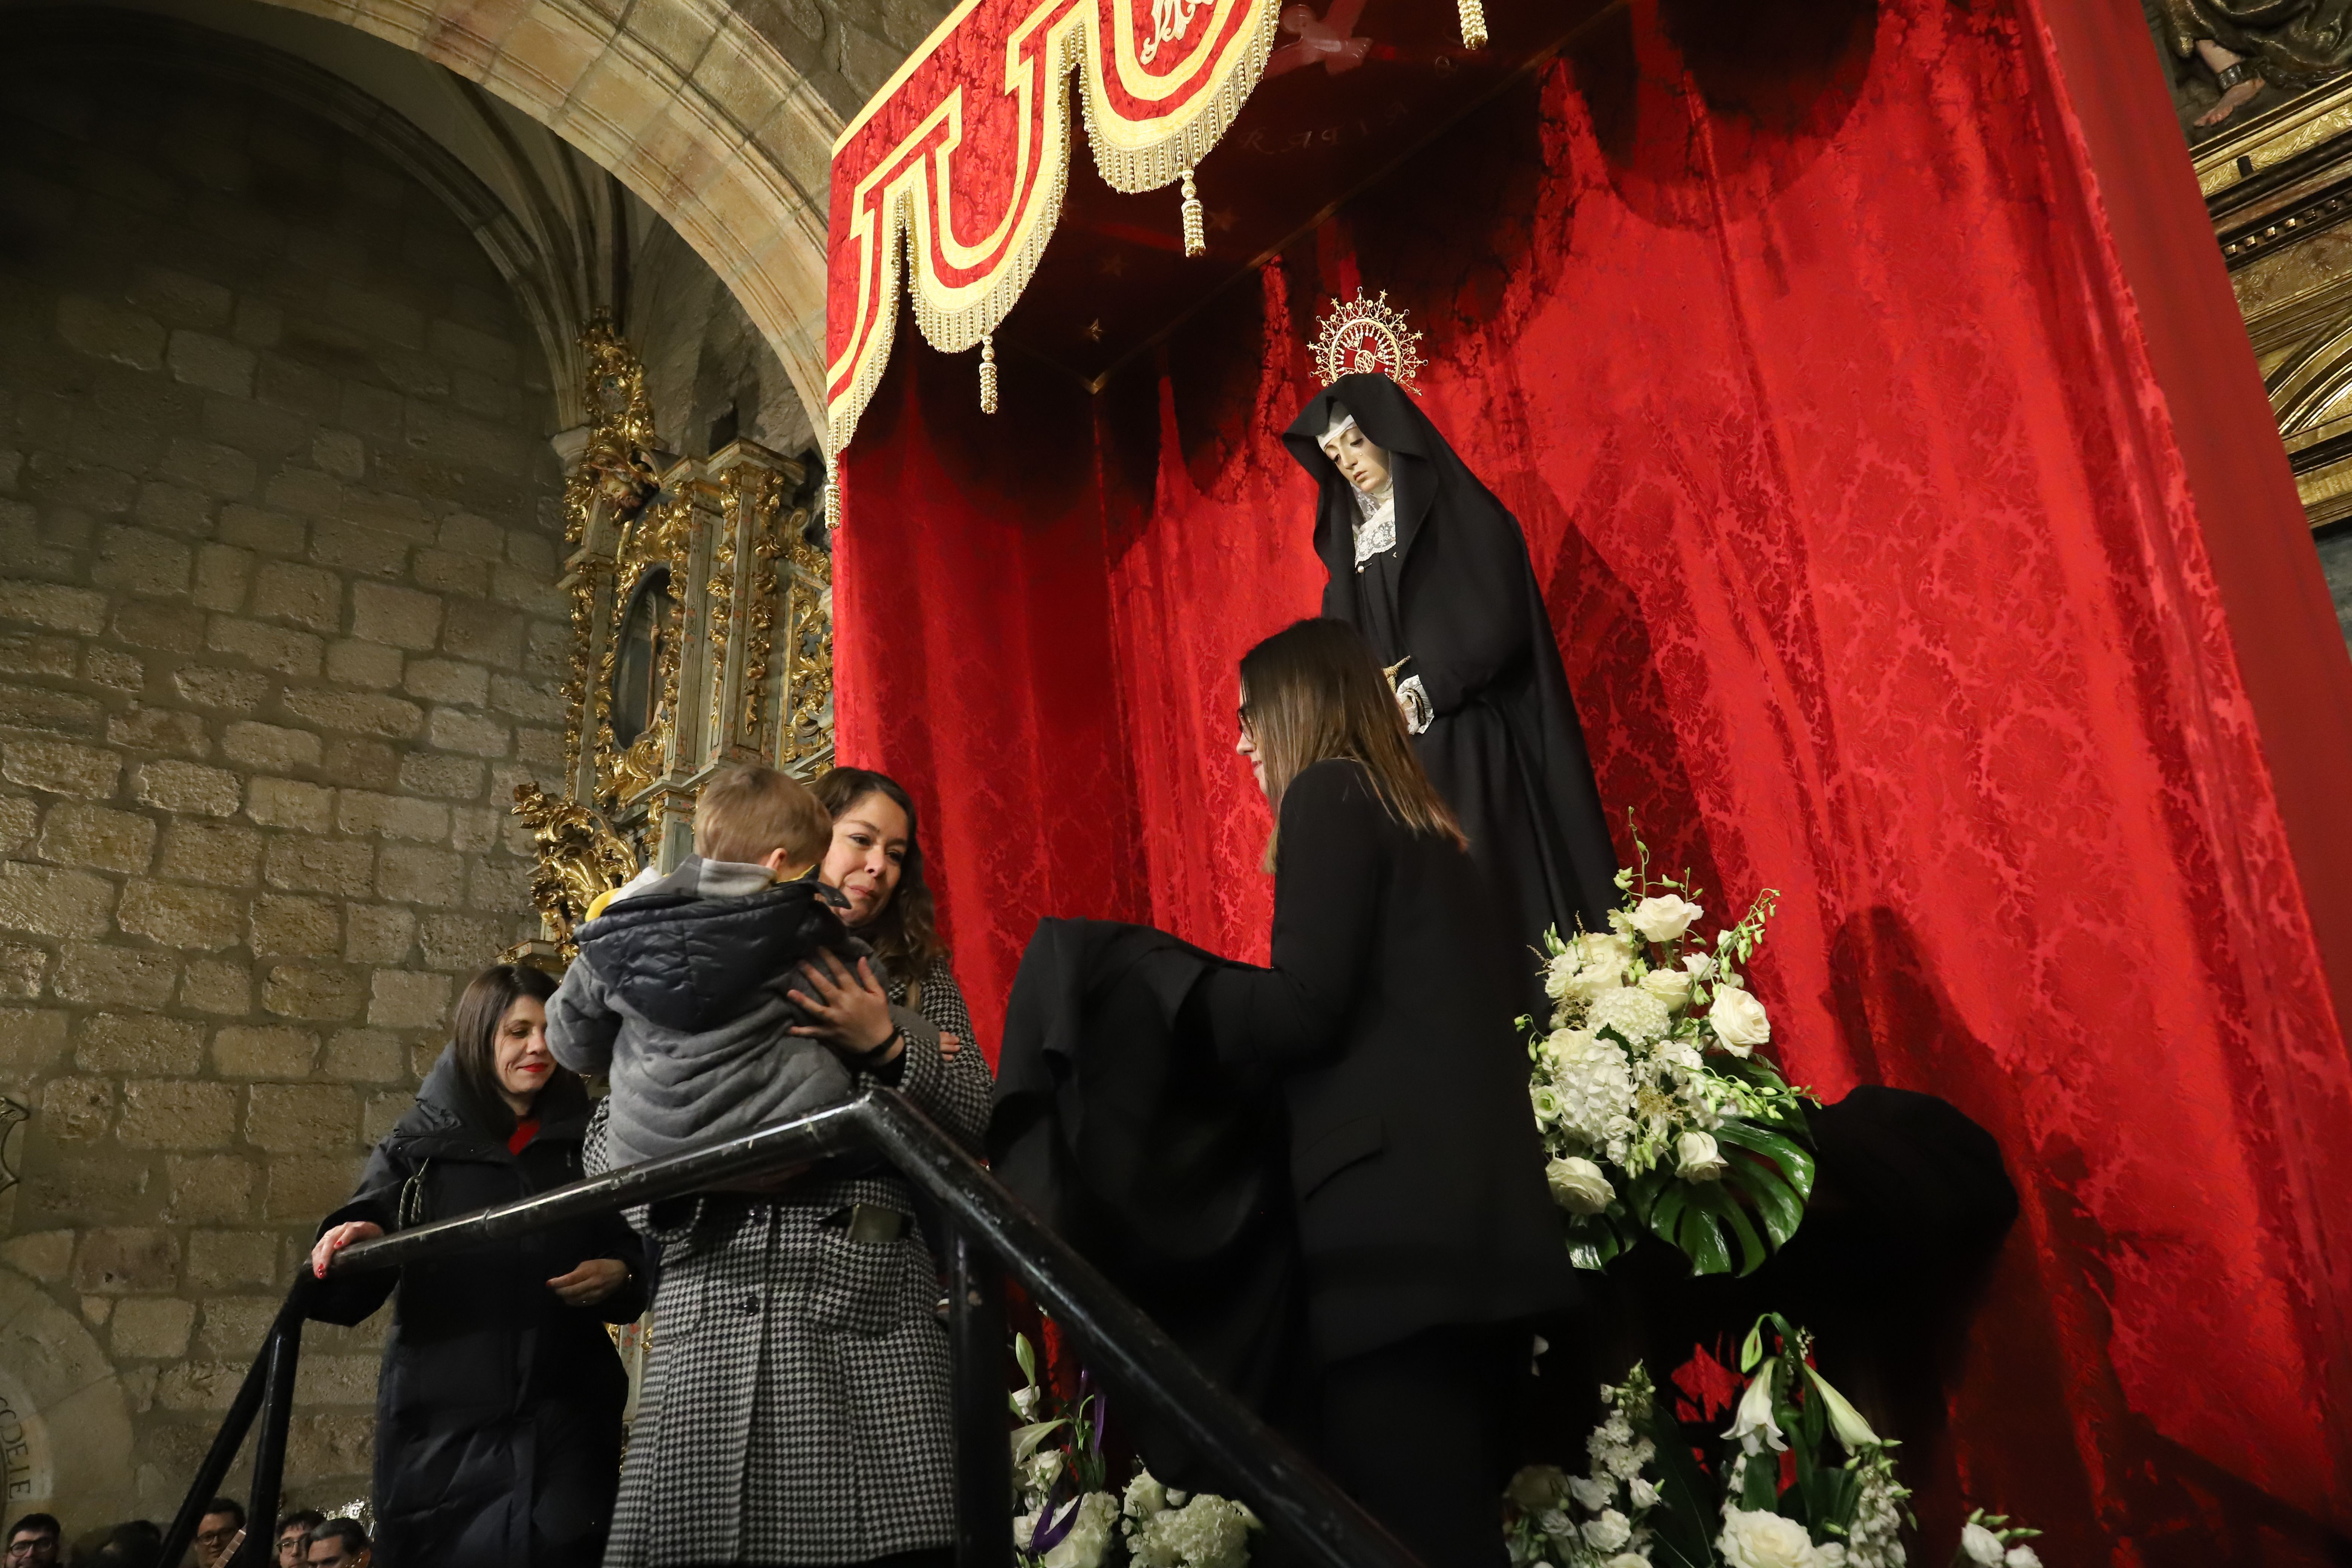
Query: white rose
(1089, 1540)
(1753, 1539)
(1982, 1545)
(1671, 986)
(1602, 951)
(1627, 1560)
(1577, 1185)
(1591, 1495)
(1664, 918)
(1145, 1495)
(1544, 1099)
(2020, 1557)
(1739, 1021)
(1607, 1533)
(1696, 1159)
(1645, 1494)
(1536, 1486)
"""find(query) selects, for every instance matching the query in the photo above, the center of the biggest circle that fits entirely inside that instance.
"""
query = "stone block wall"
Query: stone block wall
(277, 636)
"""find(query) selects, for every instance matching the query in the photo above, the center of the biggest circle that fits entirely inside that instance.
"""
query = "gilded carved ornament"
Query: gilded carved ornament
(581, 858)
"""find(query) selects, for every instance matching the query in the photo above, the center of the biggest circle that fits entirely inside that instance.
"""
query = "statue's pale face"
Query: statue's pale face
(1364, 465)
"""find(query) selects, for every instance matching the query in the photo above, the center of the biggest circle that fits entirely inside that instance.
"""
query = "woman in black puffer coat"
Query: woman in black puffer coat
(499, 1412)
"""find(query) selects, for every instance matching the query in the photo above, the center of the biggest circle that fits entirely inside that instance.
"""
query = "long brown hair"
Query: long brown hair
(1311, 692)
(905, 935)
(473, 1038)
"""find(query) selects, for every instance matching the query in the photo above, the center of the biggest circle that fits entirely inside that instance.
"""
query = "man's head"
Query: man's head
(218, 1532)
(33, 1541)
(293, 1535)
(756, 816)
(337, 1543)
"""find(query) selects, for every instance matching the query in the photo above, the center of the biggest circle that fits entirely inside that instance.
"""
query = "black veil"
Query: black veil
(1459, 600)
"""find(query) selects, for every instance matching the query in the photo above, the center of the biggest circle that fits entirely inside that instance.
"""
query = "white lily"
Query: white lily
(1852, 1432)
(1753, 1423)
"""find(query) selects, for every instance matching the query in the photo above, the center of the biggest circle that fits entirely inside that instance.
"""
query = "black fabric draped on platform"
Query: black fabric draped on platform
(1457, 597)
(1166, 1171)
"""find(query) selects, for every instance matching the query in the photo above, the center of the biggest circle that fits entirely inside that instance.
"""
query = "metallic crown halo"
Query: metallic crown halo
(1362, 335)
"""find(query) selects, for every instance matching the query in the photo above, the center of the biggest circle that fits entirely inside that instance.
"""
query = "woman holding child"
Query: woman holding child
(795, 1406)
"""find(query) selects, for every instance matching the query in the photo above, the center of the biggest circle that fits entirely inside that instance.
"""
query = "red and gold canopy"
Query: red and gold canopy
(964, 161)
(966, 153)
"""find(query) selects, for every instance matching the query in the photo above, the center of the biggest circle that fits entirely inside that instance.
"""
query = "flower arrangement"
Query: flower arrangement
(1064, 1516)
(1647, 1501)
(1658, 1113)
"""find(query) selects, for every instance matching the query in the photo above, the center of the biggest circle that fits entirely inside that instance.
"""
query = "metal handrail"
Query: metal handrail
(986, 1226)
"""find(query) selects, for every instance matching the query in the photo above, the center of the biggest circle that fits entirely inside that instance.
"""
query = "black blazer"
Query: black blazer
(1388, 1016)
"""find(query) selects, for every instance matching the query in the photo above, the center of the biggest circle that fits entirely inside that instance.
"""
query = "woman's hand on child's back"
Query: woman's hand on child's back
(851, 1010)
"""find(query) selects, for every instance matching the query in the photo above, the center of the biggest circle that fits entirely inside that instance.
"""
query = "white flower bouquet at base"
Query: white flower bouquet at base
(1064, 1516)
(1659, 1113)
(1649, 1502)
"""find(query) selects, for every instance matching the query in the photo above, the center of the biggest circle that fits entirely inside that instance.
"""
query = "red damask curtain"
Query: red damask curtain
(1908, 509)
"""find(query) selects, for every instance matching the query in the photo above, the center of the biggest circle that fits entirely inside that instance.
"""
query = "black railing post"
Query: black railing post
(217, 1460)
(983, 1459)
(280, 1359)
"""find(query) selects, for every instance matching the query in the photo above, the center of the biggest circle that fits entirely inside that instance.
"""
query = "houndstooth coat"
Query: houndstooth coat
(795, 1400)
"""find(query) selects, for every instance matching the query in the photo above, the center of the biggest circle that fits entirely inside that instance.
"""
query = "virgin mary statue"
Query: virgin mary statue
(1433, 570)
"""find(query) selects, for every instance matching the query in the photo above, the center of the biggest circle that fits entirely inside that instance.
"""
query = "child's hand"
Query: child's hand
(851, 1013)
(949, 1046)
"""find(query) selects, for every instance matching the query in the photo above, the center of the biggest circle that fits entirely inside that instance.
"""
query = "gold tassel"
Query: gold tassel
(988, 374)
(832, 495)
(1196, 231)
(1474, 25)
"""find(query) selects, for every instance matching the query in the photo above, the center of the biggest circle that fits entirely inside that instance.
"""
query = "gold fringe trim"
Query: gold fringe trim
(1157, 156)
(1474, 24)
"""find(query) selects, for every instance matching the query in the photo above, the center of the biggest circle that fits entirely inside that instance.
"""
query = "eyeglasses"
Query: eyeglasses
(23, 1550)
(220, 1537)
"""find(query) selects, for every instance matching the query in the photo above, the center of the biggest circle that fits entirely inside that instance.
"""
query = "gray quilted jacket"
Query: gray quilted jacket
(681, 995)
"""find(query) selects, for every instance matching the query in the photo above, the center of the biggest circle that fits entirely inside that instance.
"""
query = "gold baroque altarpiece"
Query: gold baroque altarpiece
(701, 633)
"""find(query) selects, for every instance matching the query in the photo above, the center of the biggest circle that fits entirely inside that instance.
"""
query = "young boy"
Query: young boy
(681, 989)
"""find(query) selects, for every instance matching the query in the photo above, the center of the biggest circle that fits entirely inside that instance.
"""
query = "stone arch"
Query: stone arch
(690, 105)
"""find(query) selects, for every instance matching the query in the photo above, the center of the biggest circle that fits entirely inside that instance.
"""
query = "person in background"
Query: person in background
(137, 1545)
(33, 1541)
(219, 1532)
(337, 1543)
(291, 1531)
(499, 1411)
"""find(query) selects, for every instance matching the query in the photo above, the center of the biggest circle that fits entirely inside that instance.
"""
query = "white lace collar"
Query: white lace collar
(1375, 527)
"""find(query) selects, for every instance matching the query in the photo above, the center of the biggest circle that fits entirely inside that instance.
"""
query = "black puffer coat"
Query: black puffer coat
(499, 1411)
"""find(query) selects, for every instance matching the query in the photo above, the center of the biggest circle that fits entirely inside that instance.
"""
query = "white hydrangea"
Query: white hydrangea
(1593, 1081)
(1638, 1017)
(1207, 1532)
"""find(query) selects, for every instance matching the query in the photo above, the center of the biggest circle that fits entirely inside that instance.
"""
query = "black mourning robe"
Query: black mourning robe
(1458, 599)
